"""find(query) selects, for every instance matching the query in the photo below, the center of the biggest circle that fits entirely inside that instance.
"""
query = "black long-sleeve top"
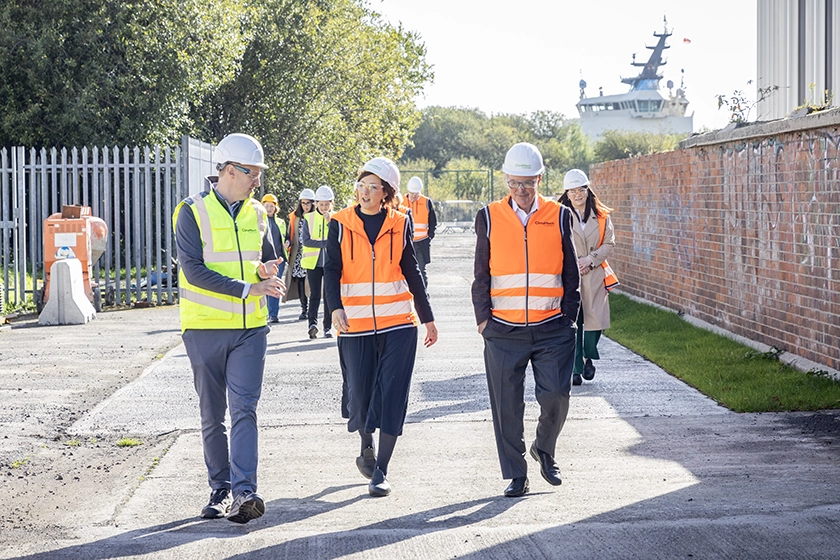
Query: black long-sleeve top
(481, 285)
(408, 265)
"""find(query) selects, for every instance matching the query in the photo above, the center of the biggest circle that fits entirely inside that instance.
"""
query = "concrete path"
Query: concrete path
(651, 468)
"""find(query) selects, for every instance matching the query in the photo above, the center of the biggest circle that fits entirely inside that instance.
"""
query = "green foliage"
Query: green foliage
(84, 72)
(324, 86)
(727, 371)
(129, 442)
(619, 144)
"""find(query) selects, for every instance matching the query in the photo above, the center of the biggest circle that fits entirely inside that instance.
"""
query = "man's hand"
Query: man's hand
(339, 321)
(481, 326)
(274, 287)
(270, 268)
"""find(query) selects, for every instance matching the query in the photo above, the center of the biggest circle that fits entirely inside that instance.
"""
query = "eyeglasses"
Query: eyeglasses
(369, 186)
(532, 184)
(577, 191)
(253, 175)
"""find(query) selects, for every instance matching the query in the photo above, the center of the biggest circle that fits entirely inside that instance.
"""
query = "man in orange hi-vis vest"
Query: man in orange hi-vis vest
(526, 298)
(425, 222)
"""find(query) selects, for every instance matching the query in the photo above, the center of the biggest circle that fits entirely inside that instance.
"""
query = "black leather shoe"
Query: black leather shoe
(548, 468)
(517, 487)
(576, 379)
(302, 316)
(366, 462)
(378, 486)
(588, 370)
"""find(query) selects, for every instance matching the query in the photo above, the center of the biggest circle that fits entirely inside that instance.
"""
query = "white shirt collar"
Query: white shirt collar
(523, 216)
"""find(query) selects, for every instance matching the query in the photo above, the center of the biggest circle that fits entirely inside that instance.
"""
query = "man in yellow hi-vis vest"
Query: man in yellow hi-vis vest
(227, 266)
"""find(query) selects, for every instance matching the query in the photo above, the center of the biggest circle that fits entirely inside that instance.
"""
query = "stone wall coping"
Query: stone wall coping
(821, 119)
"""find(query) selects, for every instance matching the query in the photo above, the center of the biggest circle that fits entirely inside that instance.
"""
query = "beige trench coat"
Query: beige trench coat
(593, 294)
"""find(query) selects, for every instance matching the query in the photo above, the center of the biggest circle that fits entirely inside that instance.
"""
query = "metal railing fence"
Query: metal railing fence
(134, 190)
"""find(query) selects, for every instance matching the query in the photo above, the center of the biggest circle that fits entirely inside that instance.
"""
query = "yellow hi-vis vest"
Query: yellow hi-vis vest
(231, 248)
(318, 230)
(374, 292)
(526, 263)
(420, 210)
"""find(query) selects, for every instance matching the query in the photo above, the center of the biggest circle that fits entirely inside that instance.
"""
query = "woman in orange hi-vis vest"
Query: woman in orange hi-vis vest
(372, 284)
(594, 240)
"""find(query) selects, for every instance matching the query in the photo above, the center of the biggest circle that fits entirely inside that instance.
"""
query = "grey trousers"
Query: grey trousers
(506, 356)
(422, 250)
(227, 369)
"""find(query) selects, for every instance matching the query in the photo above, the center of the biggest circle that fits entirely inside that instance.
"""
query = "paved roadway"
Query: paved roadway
(651, 468)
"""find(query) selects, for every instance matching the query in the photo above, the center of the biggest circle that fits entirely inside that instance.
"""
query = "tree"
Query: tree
(83, 72)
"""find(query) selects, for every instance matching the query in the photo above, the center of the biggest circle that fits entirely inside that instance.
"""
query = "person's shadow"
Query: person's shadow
(279, 512)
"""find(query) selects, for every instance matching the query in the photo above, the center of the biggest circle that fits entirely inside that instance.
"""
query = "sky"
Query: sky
(527, 55)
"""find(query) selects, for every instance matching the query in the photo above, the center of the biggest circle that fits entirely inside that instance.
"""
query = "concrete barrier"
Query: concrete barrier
(67, 303)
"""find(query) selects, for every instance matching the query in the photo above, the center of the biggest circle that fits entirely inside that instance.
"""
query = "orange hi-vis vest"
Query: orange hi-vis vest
(374, 292)
(526, 263)
(420, 212)
(610, 279)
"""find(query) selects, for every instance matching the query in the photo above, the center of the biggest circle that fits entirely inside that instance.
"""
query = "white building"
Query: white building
(798, 42)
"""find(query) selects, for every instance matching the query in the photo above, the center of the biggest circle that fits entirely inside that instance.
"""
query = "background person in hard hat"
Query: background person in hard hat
(223, 318)
(314, 240)
(277, 230)
(425, 222)
(371, 278)
(296, 284)
(594, 239)
(525, 296)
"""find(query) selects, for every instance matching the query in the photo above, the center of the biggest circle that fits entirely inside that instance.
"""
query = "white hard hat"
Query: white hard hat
(307, 194)
(415, 185)
(385, 169)
(575, 178)
(523, 159)
(324, 193)
(239, 148)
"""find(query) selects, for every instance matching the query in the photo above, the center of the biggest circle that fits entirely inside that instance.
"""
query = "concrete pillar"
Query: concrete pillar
(67, 303)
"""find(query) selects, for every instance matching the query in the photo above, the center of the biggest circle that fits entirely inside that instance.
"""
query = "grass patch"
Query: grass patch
(73, 442)
(19, 463)
(129, 442)
(734, 375)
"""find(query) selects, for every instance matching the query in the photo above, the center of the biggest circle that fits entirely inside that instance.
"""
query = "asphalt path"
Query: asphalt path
(651, 467)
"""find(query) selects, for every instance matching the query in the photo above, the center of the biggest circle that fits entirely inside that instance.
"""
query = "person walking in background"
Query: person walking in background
(594, 239)
(296, 286)
(227, 264)
(425, 222)
(277, 229)
(313, 238)
(371, 279)
(525, 296)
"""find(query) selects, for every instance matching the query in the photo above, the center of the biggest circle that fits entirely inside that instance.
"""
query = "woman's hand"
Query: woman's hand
(585, 265)
(339, 321)
(431, 334)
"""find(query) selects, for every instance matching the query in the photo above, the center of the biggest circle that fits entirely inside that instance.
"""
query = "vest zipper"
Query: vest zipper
(527, 275)
(241, 273)
(373, 284)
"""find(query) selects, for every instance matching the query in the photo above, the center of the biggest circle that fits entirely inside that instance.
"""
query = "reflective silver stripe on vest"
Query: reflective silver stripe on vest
(517, 303)
(380, 288)
(216, 303)
(382, 310)
(420, 226)
(522, 280)
(206, 229)
(231, 256)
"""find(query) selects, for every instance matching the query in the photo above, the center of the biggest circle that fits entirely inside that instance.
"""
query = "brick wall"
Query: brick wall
(738, 228)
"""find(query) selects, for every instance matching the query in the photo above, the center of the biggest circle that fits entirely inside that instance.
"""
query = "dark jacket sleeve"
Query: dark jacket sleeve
(411, 271)
(571, 274)
(191, 259)
(481, 284)
(432, 219)
(332, 267)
